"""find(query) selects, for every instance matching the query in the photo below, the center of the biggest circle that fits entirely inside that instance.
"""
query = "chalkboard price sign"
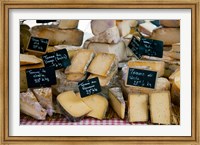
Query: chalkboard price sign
(151, 47)
(89, 87)
(58, 59)
(134, 45)
(41, 77)
(38, 44)
(141, 78)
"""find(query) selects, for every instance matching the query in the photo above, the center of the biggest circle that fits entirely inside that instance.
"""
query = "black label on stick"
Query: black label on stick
(141, 78)
(151, 47)
(45, 21)
(134, 45)
(58, 59)
(38, 44)
(41, 77)
(89, 87)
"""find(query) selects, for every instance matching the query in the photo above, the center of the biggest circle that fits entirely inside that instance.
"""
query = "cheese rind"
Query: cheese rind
(29, 59)
(117, 102)
(160, 107)
(68, 24)
(72, 106)
(138, 108)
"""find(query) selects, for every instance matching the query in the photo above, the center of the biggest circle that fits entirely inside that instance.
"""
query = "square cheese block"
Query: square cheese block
(111, 35)
(68, 24)
(160, 107)
(80, 62)
(99, 26)
(98, 104)
(158, 66)
(117, 102)
(72, 106)
(30, 106)
(26, 59)
(124, 28)
(147, 28)
(119, 49)
(58, 36)
(102, 64)
(170, 23)
(138, 108)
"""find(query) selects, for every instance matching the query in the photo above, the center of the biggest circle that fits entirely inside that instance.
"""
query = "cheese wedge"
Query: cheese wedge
(80, 62)
(173, 75)
(147, 28)
(138, 108)
(158, 66)
(102, 64)
(160, 107)
(30, 106)
(68, 24)
(44, 96)
(170, 23)
(24, 38)
(72, 106)
(111, 35)
(117, 102)
(98, 104)
(124, 28)
(75, 77)
(29, 59)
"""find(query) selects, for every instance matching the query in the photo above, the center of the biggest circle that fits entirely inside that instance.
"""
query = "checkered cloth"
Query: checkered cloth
(86, 121)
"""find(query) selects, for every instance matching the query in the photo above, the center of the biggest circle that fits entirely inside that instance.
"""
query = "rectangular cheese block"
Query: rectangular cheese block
(169, 36)
(111, 35)
(119, 49)
(80, 62)
(160, 107)
(58, 36)
(72, 106)
(26, 59)
(99, 26)
(102, 64)
(117, 102)
(158, 66)
(30, 106)
(68, 24)
(124, 28)
(98, 104)
(147, 28)
(170, 23)
(138, 108)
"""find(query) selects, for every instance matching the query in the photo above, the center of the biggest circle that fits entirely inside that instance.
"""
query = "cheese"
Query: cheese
(30, 106)
(117, 102)
(174, 74)
(24, 38)
(170, 67)
(173, 55)
(72, 106)
(98, 104)
(80, 62)
(170, 23)
(68, 24)
(158, 66)
(75, 77)
(58, 36)
(176, 47)
(175, 91)
(99, 26)
(119, 49)
(24, 26)
(147, 28)
(124, 28)
(175, 112)
(160, 107)
(132, 23)
(111, 35)
(138, 108)
(29, 59)
(102, 64)
(44, 96)
(169, 36)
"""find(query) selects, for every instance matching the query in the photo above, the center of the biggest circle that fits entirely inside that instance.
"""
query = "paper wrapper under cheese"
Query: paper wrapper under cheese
(30, 106)
(44, 96)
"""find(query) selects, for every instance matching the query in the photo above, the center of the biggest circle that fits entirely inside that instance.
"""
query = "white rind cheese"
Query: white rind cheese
(124, 28)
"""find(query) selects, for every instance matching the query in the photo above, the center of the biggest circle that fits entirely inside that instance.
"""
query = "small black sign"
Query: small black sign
(89, 87)
(151, 47)
(134, 45)
(41, 77)
(156, 22)
(45, 21)
(141, 78)
(58, 59)
(38, 44)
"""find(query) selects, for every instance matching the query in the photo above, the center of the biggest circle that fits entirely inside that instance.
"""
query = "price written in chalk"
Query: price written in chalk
(58, 59)
(38, 44)
(40, 77)
(89, 87)
(141, 78)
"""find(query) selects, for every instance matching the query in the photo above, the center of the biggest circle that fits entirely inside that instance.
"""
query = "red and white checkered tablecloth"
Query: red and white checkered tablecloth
(86, 121)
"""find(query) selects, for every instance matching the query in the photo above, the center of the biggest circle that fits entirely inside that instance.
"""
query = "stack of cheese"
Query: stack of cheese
(24, 37)
(106, 38)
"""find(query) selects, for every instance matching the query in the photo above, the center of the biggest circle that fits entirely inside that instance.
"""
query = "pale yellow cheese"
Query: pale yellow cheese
(75, 77)
(175, 91)
(147, 28)
(170, 23)
(68, 24)
(117, 102)
(160, 107)
(138, 107)
(124, 28)
(29, 59)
